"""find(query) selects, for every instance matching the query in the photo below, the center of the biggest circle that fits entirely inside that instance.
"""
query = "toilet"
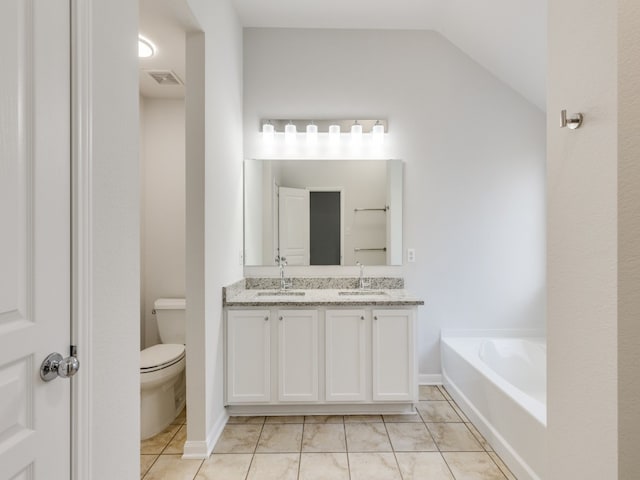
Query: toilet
(162, 377)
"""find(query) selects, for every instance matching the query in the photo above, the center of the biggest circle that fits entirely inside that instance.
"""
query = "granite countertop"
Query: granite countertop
(319, 297)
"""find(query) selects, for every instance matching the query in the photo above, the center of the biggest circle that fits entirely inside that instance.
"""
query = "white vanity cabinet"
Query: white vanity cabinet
(345, 355)
(393, 368)
(298, 355)
(320, 360)
(248, 356)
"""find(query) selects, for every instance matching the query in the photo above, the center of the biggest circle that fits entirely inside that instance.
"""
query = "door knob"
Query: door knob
(55, 366)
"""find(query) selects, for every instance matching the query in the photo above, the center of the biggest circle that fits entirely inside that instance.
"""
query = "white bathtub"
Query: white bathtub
(500, 384)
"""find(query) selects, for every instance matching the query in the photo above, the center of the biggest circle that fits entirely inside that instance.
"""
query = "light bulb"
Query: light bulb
(356, 132)
(290, 132)
(268, 131)
(312, 133)
(377, 133)
(334, 133)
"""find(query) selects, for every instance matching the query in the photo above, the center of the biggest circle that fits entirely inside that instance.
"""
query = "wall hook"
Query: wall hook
(572, 122)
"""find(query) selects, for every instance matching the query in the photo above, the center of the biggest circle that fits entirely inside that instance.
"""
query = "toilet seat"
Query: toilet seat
(159, 357)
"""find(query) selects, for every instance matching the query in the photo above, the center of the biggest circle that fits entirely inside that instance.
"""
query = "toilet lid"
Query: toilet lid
(160, 355)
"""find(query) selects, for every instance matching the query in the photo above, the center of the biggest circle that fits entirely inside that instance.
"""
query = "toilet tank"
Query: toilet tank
(171, 319)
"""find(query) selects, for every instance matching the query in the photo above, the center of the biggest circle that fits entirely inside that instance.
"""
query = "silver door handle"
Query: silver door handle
(55, 366)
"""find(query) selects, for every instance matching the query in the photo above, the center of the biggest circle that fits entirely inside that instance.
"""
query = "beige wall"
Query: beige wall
(594, 230)
(163, 207)
(629, 239)
(214, 205)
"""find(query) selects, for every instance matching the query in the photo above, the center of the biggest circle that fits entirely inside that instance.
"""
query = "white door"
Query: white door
(34, 238)
(248, 356)
(298, 355)
(294, 225)
(346, 357)
(393, 355)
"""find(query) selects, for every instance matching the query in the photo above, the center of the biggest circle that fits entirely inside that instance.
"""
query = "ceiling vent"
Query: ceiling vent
(164, 77)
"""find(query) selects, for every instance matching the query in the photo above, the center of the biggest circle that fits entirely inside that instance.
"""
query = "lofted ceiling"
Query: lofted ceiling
(507, 37)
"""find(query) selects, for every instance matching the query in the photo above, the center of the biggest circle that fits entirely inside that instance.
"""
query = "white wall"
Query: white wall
(107, 131)
(593, 241)
(474, 153)
(163, 207)
(214, 206)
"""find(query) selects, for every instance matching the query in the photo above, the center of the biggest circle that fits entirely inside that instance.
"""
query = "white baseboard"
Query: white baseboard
(430, 379)
(200, 450)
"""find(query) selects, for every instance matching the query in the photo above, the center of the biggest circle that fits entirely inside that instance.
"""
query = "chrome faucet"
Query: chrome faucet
(361, 282)
(284, 283)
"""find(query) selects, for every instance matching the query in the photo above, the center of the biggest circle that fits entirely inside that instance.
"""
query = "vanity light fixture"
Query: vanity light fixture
(145, 48)
(317, 130)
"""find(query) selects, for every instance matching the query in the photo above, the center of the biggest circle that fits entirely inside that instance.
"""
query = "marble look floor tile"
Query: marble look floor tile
(362, 418)
(173, 467)
(410, 437)
(232, 466)
(181, 419)
(373, 466)
(324, 466)
(323, 438)
(423, 465)
(454, 437)
(501, 465)
(367, 437)
(145, 462)
(176, 446)
(280, 438)
(460, 412)
(479, 437)
(244, 420)
(274, 466)
(324, 419)
(473, 466)
(411, 418)
(238, 439)
(286, 419)
(444, 392)
(437, 411)
(430, 392)
(157, 443)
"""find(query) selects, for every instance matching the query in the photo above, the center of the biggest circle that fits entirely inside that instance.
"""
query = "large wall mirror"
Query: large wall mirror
(323, 212)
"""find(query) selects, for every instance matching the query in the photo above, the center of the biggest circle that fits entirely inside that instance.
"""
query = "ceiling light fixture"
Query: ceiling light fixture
(145, 48)
(334, 133)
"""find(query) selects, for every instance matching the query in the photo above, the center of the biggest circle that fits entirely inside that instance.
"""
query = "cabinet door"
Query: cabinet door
(393, 355)
(345, 359)
(248, 355)
(298, 355)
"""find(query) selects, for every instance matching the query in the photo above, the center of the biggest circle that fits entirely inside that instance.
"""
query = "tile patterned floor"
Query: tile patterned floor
(438, 443)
